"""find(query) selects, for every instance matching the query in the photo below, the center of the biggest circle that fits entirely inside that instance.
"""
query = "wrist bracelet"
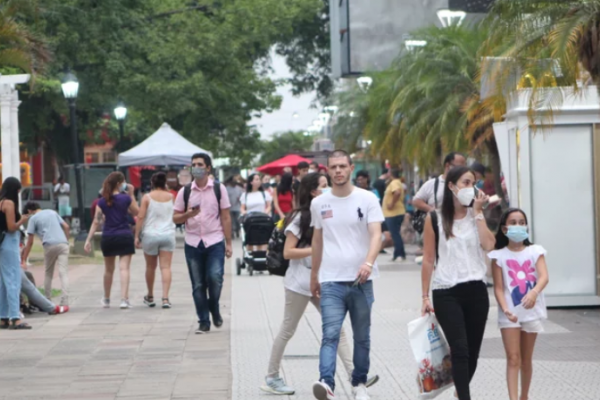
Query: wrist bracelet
(368, 264)
(536, 291)
(479, 216)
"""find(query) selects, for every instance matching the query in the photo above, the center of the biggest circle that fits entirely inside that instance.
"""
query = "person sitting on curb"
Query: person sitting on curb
(36, 299)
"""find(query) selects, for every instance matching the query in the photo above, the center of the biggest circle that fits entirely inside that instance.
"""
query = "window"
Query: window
(109, 157)
(92, 158)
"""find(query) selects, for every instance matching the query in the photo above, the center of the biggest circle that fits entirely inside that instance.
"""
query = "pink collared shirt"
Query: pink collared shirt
(206, 226)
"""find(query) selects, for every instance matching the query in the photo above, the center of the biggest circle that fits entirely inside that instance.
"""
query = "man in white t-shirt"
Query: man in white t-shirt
(426, 199)
(345, 245)
(62, 191)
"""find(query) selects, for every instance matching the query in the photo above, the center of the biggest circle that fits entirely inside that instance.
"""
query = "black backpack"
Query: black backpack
(187, 190)
(276, 264)
(418, 220)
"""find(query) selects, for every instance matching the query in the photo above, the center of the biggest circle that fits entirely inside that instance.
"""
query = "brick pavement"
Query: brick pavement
(96, 353)
(567, 358)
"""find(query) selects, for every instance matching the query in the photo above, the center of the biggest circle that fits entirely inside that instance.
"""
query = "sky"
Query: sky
(283, 119)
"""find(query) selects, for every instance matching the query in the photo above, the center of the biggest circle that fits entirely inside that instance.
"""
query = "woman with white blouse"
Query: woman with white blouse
(460, 296)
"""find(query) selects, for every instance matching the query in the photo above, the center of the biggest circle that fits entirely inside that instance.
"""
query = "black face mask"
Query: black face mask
(266, 185)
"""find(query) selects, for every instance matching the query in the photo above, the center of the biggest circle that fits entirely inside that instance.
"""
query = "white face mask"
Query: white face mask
(465, 196)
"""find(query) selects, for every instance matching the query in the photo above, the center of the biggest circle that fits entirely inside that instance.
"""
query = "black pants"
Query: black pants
(462, 313)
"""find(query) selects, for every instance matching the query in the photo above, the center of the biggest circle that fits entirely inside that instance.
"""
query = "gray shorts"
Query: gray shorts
(152, 245)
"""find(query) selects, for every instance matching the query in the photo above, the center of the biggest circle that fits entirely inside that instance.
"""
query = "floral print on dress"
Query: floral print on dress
(522, 279)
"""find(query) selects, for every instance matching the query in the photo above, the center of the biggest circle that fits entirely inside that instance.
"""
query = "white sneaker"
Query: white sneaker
(276, 386)
(360, 392)
(322, 391)
(125, 304)
(105, 302)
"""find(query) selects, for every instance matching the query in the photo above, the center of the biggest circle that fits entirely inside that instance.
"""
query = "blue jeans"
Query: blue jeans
(394, 224)
(337, 299)
(206, 266)
(10, 276)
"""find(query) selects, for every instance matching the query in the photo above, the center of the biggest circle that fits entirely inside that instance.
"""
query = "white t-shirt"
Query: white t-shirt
(425, 193)
(297, 276)
(63, 190)
(344, 221)
(255, 201)
(520, 276)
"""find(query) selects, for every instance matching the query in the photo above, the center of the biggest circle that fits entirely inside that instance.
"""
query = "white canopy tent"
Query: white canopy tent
(163, 147)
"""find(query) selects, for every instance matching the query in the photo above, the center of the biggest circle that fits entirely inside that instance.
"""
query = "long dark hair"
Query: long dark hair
(501, 238)
(112, 181)
(10, 191)
(285, 185)
(309, 183)
(448, 203)
(249, 184)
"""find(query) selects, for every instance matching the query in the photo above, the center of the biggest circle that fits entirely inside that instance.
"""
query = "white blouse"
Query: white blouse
(461, 258)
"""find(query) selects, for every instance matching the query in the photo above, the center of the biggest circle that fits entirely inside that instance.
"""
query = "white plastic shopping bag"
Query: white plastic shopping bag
(432, 354)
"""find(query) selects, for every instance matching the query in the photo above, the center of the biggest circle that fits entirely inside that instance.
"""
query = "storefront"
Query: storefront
(553, 173)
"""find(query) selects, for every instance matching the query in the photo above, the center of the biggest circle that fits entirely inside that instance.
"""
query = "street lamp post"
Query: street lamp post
(120, 114)
(70, 88)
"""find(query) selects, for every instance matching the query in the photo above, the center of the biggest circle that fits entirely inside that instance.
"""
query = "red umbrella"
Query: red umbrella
(276, 167)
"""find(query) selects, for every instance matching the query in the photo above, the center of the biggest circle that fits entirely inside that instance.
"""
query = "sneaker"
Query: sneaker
(371, 380)
(419, 260)
(203, 328)
(105, 302)
(61, 309)
(360, 392)
(125, 304)
(218, 321)
(322, 391)
(276, 386)
(149, 301)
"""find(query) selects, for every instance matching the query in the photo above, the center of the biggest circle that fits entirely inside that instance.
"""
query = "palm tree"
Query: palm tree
(439, 100)
(20, 46)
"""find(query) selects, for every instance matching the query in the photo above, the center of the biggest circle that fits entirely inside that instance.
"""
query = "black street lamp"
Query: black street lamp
(70, 88)
(120, 115)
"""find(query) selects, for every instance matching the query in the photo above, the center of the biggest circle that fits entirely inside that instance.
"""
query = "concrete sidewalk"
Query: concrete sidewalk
(141, 353)
(566, 363)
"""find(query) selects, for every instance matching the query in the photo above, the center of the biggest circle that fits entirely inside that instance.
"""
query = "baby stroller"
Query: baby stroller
(257, 229)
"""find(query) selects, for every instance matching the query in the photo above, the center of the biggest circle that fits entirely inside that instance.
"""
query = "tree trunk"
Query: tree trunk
(496, 169)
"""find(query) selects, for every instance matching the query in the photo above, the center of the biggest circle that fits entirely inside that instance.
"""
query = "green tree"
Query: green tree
(282, 144)
(21, 48)
(195, 65)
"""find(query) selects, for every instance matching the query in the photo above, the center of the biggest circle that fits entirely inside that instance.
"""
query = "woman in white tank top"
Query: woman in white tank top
(155, 233)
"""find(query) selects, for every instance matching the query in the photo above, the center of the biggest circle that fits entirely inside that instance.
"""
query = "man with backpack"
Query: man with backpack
(428, 198)
(203, 205)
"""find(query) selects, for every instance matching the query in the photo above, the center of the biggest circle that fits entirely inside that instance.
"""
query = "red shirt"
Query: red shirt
(285, 201)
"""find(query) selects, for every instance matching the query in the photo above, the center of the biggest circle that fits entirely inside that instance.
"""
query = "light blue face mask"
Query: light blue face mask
(517, 233)
(325, 190)
(124, 187)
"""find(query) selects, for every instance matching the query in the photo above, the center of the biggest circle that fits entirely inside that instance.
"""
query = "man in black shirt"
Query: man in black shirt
(381, 183)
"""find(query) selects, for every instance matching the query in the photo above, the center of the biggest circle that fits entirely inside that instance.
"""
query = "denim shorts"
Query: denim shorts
(152, 245)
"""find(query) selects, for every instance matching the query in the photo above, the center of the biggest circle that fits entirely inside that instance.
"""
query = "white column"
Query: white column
(6, 134)
(14, 135)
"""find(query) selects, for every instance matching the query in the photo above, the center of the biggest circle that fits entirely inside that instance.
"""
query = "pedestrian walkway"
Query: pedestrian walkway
(567, 358)
(153, 354)
(96, 353)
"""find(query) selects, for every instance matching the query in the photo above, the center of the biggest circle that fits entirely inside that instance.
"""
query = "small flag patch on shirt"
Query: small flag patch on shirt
(327, 214)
